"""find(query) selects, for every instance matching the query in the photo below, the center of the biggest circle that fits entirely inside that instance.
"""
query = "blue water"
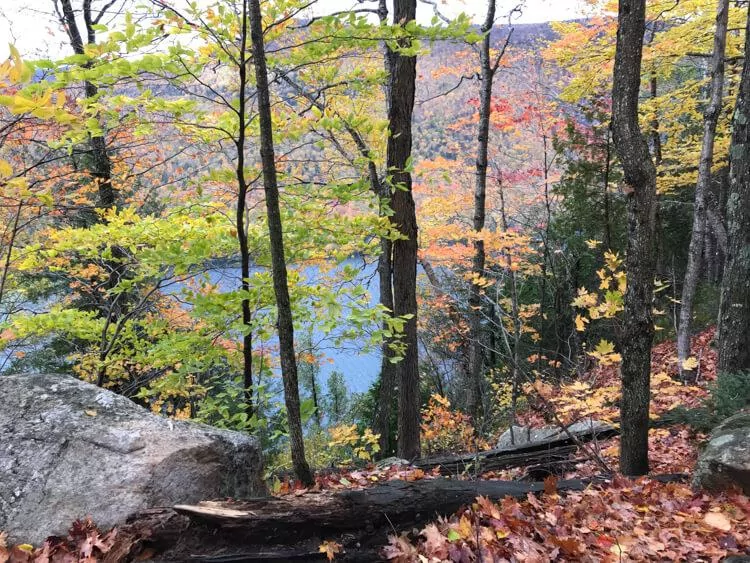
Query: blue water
(359, 366)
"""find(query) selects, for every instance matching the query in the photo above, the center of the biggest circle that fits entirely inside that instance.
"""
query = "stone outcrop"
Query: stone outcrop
(69, 449)
(725, 461)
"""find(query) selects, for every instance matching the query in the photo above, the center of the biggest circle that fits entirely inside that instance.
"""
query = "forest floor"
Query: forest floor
(614, 519)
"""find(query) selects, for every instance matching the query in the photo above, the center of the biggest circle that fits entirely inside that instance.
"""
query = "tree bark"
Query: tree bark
(698, 236)
(285, 326)
(400, 109)
(640, 180)
(476, 355)
(734, 310)
(389, 372)
(247, 337)
(101, 164)
(396, 503)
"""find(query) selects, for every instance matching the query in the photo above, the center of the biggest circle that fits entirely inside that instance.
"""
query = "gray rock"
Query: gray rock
(525, 435)
(391, 461)
(725, 461)
(69, 449)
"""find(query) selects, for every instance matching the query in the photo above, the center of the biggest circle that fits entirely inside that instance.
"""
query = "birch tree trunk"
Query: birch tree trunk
(698, 236)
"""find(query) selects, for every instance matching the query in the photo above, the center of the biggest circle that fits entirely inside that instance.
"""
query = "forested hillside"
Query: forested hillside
(426, 269)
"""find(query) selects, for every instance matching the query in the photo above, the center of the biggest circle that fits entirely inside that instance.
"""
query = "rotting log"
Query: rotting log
(535, 453)
(394, 503)
(291, 528)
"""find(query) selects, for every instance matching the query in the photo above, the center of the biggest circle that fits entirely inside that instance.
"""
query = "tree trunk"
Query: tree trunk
(388, 370)
(100, 168)
(698, 236)
(101, 165)
(401, 105)
(640, 181)
(247, 337)
(514, 351)
(400, 504)
(476, 355)
(285, 324)
(734, 311)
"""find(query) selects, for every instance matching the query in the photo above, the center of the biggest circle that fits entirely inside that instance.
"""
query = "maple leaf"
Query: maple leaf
(399, 549)
(436, 544)
(488, 508)
(330, 548)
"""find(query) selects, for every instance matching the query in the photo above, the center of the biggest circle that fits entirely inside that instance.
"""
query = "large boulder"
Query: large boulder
(69, 449)
(725, 461)
(528, 435)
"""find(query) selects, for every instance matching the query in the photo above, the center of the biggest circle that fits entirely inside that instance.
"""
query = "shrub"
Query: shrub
(446, 431)
(730, 393)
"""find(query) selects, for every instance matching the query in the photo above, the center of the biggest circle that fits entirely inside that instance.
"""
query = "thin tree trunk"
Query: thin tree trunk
(607, 213)
(381, 190)
(734, 310)
(389, 371)
(101, 165)
(285, 324)
(9, 252)
(698, 236)
(515, 352)
(640, 181)
(476, 356)
(401, 95)
(247, 337)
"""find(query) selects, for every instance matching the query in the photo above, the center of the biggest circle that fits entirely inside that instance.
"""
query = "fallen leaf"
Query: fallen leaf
(718, 520)
(330, 548)
(550, 485)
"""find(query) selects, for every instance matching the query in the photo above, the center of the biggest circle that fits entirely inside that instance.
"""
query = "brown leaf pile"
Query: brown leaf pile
(85, 543)
(625, 520)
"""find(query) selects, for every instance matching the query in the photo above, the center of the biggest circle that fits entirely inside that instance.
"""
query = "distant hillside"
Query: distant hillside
(442, 107)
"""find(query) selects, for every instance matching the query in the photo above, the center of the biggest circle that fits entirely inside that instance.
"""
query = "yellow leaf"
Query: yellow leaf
(689, 364)
(592, 243)
(91, 412)
(330, 548)
(581, 323)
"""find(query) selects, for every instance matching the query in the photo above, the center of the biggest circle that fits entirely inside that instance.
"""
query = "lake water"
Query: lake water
(360, 367)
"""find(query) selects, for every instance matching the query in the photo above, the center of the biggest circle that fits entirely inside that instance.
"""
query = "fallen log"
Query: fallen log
(291, 528)
(534, 453)
(394, 503)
